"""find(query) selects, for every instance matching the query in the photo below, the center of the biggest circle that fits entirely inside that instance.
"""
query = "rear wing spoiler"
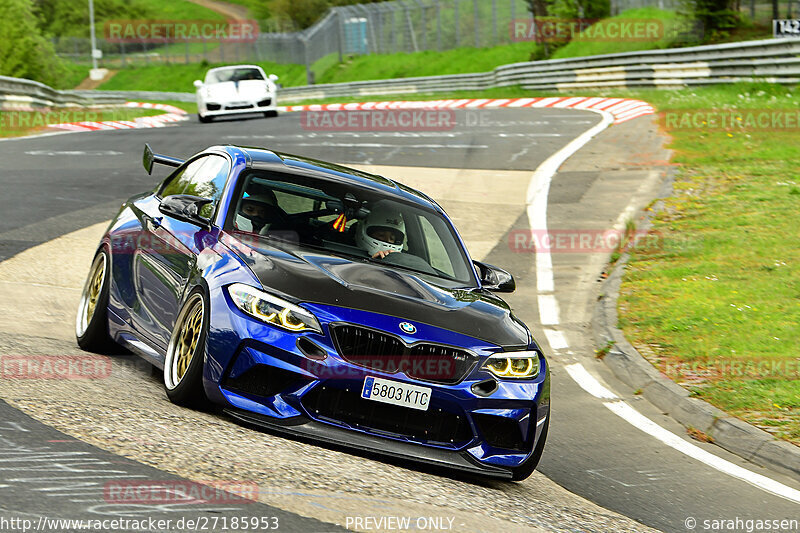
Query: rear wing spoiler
(148, 158)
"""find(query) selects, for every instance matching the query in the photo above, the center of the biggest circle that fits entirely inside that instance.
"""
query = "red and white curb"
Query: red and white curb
(622, 109)
(173, 114)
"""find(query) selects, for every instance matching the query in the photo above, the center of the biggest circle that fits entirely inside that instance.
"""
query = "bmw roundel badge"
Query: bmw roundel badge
(408, 327)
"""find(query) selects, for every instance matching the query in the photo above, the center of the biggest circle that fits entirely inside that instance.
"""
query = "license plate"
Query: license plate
(396, 393)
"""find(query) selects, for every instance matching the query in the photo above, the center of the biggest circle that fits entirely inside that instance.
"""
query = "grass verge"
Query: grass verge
(716, 304)
(19, 123)
(177, 10)
(427, 63)
(671, 30)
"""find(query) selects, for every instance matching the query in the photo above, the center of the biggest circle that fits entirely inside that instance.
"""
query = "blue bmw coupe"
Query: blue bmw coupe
(320, 302)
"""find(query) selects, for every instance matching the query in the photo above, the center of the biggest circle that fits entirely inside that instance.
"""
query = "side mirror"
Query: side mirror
(495, 279)
(148, 158)
(186, 208)
(272, 77)
(198, 83)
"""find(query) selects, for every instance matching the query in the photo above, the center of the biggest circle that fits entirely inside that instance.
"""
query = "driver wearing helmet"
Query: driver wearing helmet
(382, 232)
(255, 211)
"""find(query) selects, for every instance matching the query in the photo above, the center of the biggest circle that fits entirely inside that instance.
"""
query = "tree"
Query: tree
(716, 16)
(70, 18)
(537, 7)
(302, 13)
(24, 52)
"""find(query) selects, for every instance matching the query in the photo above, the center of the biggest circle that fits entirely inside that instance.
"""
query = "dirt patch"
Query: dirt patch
(229, 11)
(89, 84)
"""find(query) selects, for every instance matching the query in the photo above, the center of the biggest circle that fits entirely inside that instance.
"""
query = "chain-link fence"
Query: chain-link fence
(764, 11)
(760, 12)
(618, 6)
(381, 28)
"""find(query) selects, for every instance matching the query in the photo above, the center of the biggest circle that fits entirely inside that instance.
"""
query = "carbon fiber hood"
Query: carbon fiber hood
(308, 276)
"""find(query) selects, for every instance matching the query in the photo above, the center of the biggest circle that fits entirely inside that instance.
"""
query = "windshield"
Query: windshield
(233, 74)
(359, 224)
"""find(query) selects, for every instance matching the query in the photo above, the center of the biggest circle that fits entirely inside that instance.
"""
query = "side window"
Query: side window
(177, 185)
(204, 177)
(209, 182)
(292, 203)
(439, 259)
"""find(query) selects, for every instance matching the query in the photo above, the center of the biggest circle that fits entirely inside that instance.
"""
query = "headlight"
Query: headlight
(272, 310)
(514, 365)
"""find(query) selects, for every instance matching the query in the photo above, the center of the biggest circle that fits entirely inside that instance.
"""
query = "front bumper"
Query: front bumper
(269, 380)
(304, 427)
(240, 107)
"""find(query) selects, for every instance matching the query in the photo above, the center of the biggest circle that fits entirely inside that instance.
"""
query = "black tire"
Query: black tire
(183, 382)
(204, 120)
(270, 114)
(524, 470)
(91, 323)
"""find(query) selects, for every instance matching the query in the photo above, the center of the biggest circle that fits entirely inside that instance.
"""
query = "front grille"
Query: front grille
(434, 426)
(386, 353)
(264, 381)
(238, 106)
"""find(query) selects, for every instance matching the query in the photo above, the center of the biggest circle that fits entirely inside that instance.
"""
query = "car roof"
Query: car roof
(227, 67)
(267, 159)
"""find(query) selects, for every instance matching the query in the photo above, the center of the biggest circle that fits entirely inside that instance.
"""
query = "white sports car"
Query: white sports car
(236, 90)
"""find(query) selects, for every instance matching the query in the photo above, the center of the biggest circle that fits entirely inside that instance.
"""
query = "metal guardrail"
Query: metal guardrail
(22, 92)
(139, 96)
(774, 60)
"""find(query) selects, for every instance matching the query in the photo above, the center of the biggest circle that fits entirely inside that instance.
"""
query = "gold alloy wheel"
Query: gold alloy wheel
(91, 294)
(184, 342)
(188, 341)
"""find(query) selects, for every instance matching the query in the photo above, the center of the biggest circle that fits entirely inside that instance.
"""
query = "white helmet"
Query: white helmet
(383, 229)
(253, 223)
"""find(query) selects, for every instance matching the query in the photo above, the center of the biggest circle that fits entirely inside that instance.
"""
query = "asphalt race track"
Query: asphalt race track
(58, 189)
